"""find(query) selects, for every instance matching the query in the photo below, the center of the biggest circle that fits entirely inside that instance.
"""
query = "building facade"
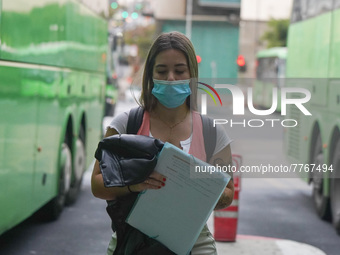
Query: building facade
(214, 31)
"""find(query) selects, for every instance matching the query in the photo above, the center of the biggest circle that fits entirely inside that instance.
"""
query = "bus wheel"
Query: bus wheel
(79, 168)
(335, 188)
(52, 210)
(321, 202)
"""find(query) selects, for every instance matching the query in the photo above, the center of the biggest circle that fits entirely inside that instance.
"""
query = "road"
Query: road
(272, 207)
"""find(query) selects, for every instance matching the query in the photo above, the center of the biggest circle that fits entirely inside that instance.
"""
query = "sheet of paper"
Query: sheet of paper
(175, 214)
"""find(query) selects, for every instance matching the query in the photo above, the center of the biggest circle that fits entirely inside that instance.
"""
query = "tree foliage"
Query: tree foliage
(276, 35)
(142, 37)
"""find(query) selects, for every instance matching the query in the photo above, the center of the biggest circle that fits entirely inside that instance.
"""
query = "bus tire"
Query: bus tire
(79, 168)
(321, 202)
(335, 188)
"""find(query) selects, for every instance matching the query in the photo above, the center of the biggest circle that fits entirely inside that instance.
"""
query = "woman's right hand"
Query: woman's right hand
(154, 181)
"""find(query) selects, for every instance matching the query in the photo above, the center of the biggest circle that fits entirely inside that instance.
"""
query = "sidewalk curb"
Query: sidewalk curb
(259, 245)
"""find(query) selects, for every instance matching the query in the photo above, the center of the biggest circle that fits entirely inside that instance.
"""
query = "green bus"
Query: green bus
(270, 73)
(52, 96)
(313, 63)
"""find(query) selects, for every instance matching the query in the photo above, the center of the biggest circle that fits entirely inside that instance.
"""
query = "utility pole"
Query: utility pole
(188, 19)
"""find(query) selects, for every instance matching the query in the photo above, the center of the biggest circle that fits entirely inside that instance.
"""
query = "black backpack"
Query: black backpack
(209, 131)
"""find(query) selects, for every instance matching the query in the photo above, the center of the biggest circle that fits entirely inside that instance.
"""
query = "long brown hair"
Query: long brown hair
(166, 41)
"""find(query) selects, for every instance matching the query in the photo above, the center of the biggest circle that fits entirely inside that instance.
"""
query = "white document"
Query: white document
(175, 214)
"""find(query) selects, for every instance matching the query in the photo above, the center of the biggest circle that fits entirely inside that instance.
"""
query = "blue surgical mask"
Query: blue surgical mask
(171, 94)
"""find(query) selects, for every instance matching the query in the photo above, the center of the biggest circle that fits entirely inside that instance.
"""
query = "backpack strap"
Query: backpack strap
(135, 120)
(209, 135)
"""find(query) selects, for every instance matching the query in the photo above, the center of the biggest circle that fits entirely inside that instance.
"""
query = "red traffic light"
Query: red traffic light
(241, 61)
(198, 58)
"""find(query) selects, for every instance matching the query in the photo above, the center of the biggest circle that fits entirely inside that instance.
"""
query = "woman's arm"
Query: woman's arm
(155, 181)
(224, 158)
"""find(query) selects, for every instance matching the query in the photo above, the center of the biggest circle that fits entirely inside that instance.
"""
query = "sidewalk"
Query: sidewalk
(257, 245)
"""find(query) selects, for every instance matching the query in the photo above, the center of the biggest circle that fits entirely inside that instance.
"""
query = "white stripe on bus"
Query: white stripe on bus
(33, 66)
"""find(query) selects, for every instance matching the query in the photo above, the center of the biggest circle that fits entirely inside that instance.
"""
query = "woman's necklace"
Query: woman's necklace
(171, 127)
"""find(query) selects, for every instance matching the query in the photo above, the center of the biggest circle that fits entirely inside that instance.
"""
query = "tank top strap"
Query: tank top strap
(145, 127)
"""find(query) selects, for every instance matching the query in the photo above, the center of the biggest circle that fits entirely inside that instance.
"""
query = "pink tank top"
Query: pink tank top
(197, 148)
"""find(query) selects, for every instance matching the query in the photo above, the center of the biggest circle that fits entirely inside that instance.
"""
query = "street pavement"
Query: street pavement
(246, 244)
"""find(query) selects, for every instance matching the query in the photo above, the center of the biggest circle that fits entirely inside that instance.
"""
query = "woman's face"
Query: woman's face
(171, 65)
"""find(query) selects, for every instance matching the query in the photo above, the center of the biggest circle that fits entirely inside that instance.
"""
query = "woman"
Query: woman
(169, 99)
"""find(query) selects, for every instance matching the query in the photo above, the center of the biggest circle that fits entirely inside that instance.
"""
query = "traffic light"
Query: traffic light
(114, 4)
(241, 63)
(134, 15)
(125, 14)
(198, 58)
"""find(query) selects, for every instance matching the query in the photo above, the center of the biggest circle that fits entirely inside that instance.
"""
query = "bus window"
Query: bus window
(270, 74)
(336, 4)
(299, 11)
(267, 68)
(325, 5)
(316, 7)
(312, 8)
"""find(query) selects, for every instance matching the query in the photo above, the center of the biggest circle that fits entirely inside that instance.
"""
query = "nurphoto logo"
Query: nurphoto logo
(238, 104)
